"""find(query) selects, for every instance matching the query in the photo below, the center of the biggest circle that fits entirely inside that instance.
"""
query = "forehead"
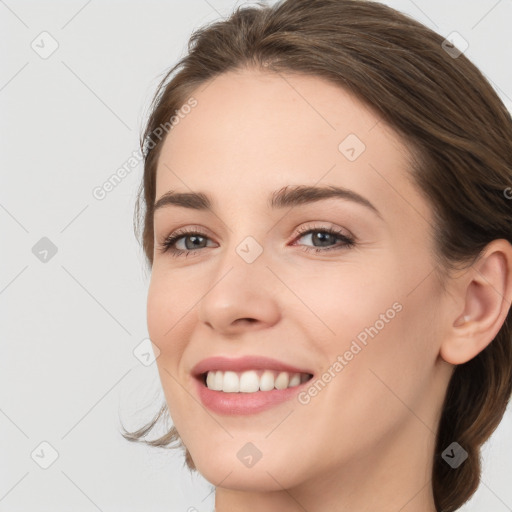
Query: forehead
(254, 132)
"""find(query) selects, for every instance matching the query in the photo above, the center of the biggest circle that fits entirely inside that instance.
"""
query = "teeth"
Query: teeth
(231, 383)
(210, 380)
(253, 380)
(249, 382)
(267, 381)
(219, 379)
(294, 380)
(282, 381)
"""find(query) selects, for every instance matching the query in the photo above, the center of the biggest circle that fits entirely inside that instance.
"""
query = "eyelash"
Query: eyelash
(168, 244)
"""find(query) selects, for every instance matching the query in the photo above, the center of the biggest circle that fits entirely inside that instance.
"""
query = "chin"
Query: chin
(263, 476)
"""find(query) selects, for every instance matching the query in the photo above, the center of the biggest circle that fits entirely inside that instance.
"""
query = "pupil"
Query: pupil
(192, 237)
(323, 237)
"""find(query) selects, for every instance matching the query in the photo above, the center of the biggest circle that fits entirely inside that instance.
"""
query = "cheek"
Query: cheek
(389, 347)
(382, 331)
(169, 301)
(167, 315)
(342, 301)
(157, 308)
(165, 308)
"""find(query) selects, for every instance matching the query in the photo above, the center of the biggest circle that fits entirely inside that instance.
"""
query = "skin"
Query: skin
(366, 441)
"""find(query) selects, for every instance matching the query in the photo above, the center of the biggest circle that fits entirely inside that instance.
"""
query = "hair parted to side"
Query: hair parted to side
(459, 134)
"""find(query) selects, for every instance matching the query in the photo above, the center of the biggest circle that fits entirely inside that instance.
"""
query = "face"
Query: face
(336, 288)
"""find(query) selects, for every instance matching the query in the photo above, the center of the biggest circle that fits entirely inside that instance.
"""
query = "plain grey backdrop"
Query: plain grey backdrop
(75, 84)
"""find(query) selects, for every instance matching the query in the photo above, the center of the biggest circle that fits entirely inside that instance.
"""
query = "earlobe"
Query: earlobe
(486, 290)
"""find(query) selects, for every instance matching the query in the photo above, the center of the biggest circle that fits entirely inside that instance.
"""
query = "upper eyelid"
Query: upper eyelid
(303, 230)
(169, 242)
(325, 225)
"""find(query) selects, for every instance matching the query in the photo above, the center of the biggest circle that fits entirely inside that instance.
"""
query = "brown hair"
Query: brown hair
(458, 132)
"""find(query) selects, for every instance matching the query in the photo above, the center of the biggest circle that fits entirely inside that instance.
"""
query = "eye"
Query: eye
(194, 240)
(324, 237)
(197, 239)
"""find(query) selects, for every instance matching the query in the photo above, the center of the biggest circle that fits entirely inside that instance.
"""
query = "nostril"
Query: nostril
(246, 320)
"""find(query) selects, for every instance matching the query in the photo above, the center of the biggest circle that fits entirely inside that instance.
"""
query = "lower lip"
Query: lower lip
(234, 404)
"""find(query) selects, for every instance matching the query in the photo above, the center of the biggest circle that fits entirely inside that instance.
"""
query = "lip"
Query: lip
(233, 404)
(241, 364)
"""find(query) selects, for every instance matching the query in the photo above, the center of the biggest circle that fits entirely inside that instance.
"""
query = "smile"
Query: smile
(247, 385)
(253, 381)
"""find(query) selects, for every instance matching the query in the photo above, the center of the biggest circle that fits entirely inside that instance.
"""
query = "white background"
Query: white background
(69, 326)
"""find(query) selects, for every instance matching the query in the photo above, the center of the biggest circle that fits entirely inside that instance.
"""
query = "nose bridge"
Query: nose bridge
(244, 243)
(240, 288)
(242, 270)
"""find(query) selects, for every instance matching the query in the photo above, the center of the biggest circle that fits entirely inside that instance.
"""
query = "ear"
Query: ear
(483, 298)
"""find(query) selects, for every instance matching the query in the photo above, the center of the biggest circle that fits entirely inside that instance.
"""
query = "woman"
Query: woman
(328, 223)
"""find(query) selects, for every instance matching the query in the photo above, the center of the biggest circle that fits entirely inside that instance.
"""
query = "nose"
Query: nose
(241, 296)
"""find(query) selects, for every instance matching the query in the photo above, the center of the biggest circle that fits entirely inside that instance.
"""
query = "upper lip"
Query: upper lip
(241, 364)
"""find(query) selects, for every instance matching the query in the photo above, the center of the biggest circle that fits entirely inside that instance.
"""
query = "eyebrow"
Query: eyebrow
(288, 196)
